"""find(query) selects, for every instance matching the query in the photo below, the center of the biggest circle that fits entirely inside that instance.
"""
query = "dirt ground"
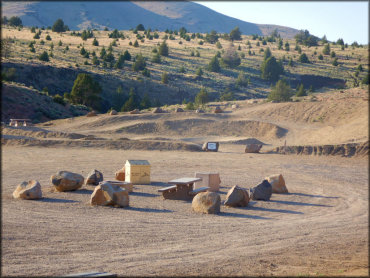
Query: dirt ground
(319, 228)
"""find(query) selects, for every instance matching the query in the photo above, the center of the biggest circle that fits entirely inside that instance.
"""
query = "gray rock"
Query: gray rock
(67, 181)
(237, 197)
(263, 191)
(94, 177)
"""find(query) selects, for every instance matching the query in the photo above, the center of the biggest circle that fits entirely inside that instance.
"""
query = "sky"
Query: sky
(348, 20)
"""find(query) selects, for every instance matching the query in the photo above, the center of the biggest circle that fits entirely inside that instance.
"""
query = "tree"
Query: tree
(156, 58)
(86, 91)
(15, 21)
(231, 58)
(163, 49)
(267, 54)
(271, 69)
(199, 72)
(324, 39)
(58, 26)
(332, 54)
(326, 50)
(48, 38)
(301, 91)
(95, 42)
(227, 95)
(103, 52)
(132, 102)
(303, 58)
(335, 62)
(286, 46)
(136, 44)
(214, 65)
(235, 34)
(211, 37)
(280, 92)
(139, 63)
(340, 41)
(120, 62)
(140, 27)
(320, 57)
(304, 37)
(201, 98)
(6, 47)
(44, 57)
(127, 55)
(145, 102)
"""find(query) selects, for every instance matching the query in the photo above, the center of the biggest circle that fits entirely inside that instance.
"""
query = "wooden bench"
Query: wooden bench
(198, 190)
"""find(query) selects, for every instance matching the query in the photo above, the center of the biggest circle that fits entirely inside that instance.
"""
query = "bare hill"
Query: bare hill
(126, 14)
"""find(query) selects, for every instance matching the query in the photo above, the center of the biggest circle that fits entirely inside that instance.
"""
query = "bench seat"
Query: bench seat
(198, 190)
(168, 188)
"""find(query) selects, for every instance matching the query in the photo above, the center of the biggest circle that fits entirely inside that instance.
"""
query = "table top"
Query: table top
(184, 180)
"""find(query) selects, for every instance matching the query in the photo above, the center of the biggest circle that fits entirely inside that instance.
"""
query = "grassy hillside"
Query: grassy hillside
(66, 62)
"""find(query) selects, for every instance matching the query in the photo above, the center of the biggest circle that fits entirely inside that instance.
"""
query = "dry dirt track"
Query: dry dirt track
(321, 227)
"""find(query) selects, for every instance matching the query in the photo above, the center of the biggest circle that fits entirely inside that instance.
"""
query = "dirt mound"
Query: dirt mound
(35, 132)
(106, 144)
(347, 150)
(245, 141)
(206, 127)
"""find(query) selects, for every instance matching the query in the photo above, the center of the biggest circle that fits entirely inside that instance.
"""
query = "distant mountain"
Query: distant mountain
(125, 15)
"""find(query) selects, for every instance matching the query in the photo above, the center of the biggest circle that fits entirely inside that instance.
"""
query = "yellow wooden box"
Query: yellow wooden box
(137, 171)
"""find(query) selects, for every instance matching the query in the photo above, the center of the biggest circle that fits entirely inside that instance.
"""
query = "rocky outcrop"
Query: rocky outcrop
(158, 110)
(237, 197)
(67, 181)
(135, 111)
(113, 112)
(30, 190)
(278, 183)
(94, 177)
(263, 191)
(179, 109)
(218, 110)
(206, 202)
(106, 194)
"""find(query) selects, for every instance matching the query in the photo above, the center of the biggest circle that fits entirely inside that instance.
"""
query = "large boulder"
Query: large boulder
(218, 109)
(199, 111)
(206, 202)
(263, 191)
(278, 183)
(107, 194)
(253, 148)
(237, 197)
(94, 177)
(30, 190)
(113, 112)
(179, 109)
(158, 110)
(67, 181)
(120, 175)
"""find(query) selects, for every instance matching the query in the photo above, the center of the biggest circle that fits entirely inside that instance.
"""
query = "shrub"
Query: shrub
(218, 45)
(59, 99)
(332, 54)
(156, 58)
(95, 61)
(36, 36)
(267, 54)
(120, 62)
(15, 21)
(136, 44)
(214, 65)
(227, 95)
(320, 57)
(116, 35)
(48, 38)
(44, 57)
(139, 63)
(231, 58)
(301, 91)
(335, 62)
(197, 54)
(365, 80)
(287, 46)
(280, 92)
(145, 102)
(242, 80)
(132, 102)
(190, 106)
(182, 69)
(164, 78)
(359, 68)
(103, 53)
(303, 58)
(199, 72)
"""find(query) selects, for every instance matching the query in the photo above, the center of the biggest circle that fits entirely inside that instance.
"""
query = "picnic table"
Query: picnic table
(14, 122)
(182, 189)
